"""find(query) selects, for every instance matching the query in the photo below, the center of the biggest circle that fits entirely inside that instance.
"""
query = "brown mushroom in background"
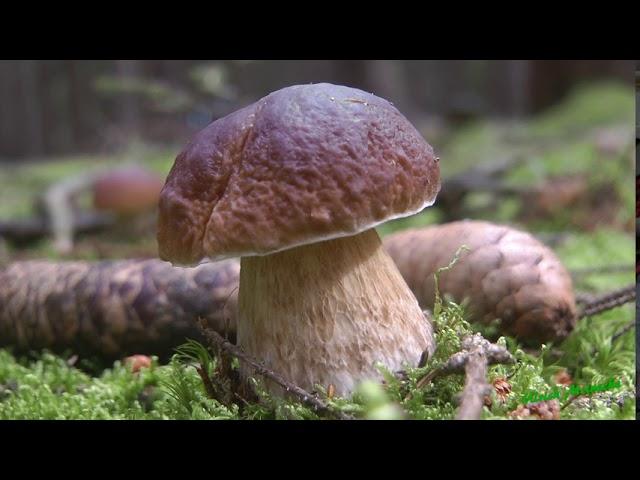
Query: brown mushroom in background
(138, 362)
(127, 190)
(507, 275)
(295, 184)
(122, 192)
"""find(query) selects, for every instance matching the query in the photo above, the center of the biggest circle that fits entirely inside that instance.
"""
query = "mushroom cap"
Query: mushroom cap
(127, 190)
(304, 164)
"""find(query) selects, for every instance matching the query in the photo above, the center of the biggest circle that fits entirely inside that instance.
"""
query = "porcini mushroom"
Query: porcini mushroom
(295, 184)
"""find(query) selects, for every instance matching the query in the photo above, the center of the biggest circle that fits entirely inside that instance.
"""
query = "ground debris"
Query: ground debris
(547, 410)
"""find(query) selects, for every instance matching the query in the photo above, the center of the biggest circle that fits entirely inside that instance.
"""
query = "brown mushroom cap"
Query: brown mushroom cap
(303, 164)
(127, 190)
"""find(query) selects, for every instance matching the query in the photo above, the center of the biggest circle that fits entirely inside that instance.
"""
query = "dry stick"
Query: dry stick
(475, 388)
(583, 298)
(206, 380)
(492, 353)
(22, 231)
(624, 330)
(609, 301)
(218, 341)
(479, 352)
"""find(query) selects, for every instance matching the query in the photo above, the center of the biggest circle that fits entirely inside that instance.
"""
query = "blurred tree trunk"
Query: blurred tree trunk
(32, 106)
(50, 107)
(56, 96)
(85, 112)
(388, 79)
(129, 108)
(6, 123)
(384, 78)
(552, 79)
(520, 86)
(352, 73)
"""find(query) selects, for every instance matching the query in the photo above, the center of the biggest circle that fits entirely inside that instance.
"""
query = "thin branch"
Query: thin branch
(583, 298)
(609, 301)
(219, 342)
(624, 330)
(476, 386)
(23, 231)
(479, 353)
(206, 380)
(493, 354)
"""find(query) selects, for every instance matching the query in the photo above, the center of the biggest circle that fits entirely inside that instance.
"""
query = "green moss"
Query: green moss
(49, 388)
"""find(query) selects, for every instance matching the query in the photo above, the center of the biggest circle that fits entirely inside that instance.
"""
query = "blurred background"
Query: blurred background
(542, 144)
(65, 107)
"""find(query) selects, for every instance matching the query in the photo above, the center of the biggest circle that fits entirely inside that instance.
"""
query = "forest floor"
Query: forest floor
(577, 171)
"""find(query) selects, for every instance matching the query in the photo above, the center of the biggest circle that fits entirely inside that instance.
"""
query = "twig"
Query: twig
(585, 297)
(609, 301)
(480, 352)
(476, 386)
(219, 342)
(23, 231)
(206, 380)
(493, 354)
(624, 330)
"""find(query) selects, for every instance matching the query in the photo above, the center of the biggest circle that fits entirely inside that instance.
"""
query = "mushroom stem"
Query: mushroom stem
(325, 313)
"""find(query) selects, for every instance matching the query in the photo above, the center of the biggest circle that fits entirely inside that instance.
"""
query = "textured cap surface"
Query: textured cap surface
(303, 164)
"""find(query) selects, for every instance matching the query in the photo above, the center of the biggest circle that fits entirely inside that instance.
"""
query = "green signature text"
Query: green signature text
(564, 393)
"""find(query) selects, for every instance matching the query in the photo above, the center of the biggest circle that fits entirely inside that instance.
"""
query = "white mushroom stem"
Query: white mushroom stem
(58, 202)
(325, 313)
